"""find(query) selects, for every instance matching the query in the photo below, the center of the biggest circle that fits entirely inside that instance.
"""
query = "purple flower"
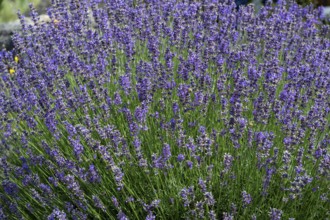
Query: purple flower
(212, 215)
(118, 176)
(157, 162)
(275, 214)
(247, 199)
(125, 83)
(143, 88)
(46, 189)
(73, 186)
(57, 214)
(78, 148)
(137, 75)
(181, 157)
(98, 203)
(209, 199)
(202, 129)
(11, 189)
(187, 195)
(228, 161)
(70, 128)
(175, 108)
(202, 185)
(183, 93)
(121, 216)
(166, 152)
(117, 99)
(93, 175)
(115, 201)
(140, 114)
(227, 216)
(190, 164)
(150, 216)
(191, 145)
(242, 122)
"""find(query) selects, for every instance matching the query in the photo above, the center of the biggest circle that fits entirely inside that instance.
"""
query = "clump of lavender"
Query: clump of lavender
(166, 110)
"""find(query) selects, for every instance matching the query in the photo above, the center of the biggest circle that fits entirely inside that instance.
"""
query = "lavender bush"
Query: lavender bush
(166, 110)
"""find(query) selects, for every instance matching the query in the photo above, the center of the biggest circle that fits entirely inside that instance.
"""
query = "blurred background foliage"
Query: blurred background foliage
(9, 8)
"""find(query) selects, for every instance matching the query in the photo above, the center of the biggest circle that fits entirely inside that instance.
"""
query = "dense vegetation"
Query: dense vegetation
(166, 110)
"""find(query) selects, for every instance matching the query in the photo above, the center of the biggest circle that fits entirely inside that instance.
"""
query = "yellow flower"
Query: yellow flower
(16, 59)
(11, 71)
(56, 22)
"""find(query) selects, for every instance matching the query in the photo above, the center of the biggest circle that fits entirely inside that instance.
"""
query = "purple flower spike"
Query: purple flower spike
(150, 216)
(166, 151)
(275, 214)
(121, 216)
(247, 199)
(190, 164)
(181, 157)
(57, 215)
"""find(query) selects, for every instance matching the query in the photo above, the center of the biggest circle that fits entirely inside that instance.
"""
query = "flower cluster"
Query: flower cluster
(166, 109)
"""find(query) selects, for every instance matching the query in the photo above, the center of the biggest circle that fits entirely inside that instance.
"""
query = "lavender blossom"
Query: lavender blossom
(247, 199)
(228, 216)
(275, 214)
(150, 216)
(181, 157)
(228, 161)
(57, 214)
(115, 201)
(122, 216)
(98, 203)
(95, 102)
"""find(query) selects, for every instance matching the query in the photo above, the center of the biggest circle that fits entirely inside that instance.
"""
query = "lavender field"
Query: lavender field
(166, 109)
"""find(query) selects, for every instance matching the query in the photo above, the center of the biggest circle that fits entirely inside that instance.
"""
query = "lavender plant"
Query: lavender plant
(166, 110)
